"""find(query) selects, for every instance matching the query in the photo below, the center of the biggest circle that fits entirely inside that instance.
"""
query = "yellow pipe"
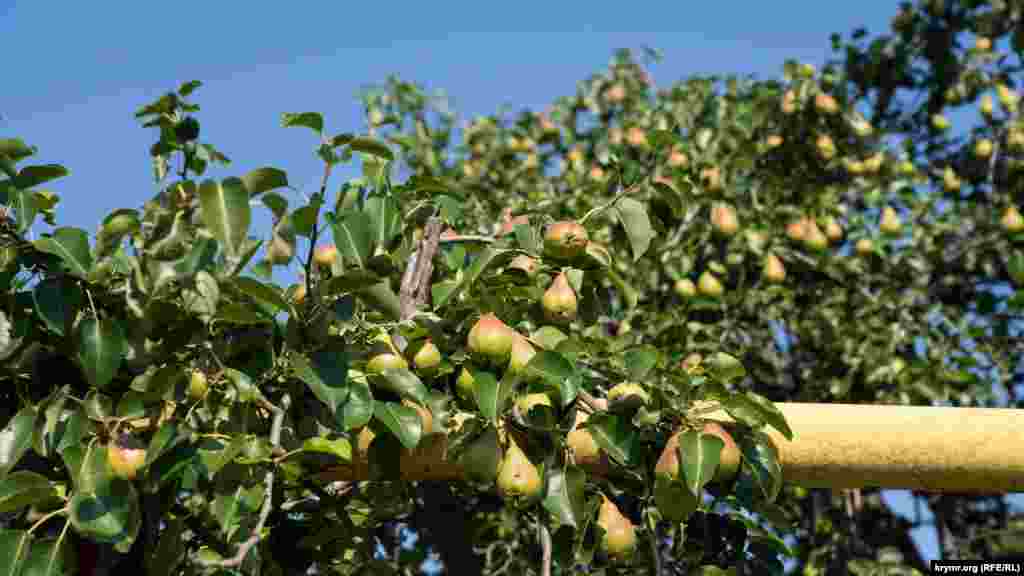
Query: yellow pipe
(843, 446)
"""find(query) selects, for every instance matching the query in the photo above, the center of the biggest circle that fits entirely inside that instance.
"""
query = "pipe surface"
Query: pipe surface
(838, 446)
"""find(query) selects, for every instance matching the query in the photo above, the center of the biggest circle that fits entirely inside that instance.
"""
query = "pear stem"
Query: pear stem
(545, 545)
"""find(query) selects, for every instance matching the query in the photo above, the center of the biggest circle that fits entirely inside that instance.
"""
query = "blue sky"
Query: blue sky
(77, 71)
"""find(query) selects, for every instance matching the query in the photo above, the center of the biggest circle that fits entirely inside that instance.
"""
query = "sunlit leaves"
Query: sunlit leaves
(226, 212)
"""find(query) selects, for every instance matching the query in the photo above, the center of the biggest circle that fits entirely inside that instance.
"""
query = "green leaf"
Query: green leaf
(724, 367)
(326, 374)
(761, 465)
(633, 217)
(339, 447)
(488, 395)
(49, 558)
(24, 488)
(385, 217)
(353, 235)
(26, 208)
(616, 435)
(110, 515)
(170, 551)
(557, 372)
(264, 179)
(56, 302)
(564, 497)
(770, 414)
(312, 120)
(189, 87)
(269, 294)
(165, 439)
(484, 260)
(226, 212)
(71, 245)
(212, 454)
(247, 391)
(403, 382)
(14, 549)
(403, 421)
(101, 345)
(16, 438)
(698, 456)
(16, 149)
(372, 147)
(640, 361)
(30, 176)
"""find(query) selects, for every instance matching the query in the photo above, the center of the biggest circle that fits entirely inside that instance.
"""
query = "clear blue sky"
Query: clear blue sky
(77, 71)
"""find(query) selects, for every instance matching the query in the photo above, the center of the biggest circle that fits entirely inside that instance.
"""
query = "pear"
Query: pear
(198, 385)
(386, 356)
(728, 462)
(428, 357)
(482, 458)
(673, 499)
(490, 338)
(518, 479)
(685, 288)
(619, 533)
(814, 238)
(1012, 221)
(986, 106)
(774, 272)
(581, 443)
(325, 255)
(280, 251)
(983, 148)
(724, 220)
(524, 264)
(711, 178)
(527, 402)
(565, 240)
(627, 396)
(826, 147)
(709, 285)
(940, 122)
(825, 103)
(797, 229)
(520, 355)
(833, 231)
(559, 301)
(864, 246)
(890, 223)
(465, 385)
(125, 456)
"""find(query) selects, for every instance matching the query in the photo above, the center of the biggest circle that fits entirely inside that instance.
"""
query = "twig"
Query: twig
(268, 496)
(545, 548)
(416, 280)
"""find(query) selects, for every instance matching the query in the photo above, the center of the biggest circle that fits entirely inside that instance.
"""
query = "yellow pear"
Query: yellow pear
(491, 338)
(833, 231)
(709, 285)
(890, 223)
(685, 288)
(773, 272)
(627, 396)
(465, 385)
(518, 478)
(428, 357)
(865, 246)
(565, 240)
(521, 354)
(619, 533)
(1012, 221)
(797, 229)
(983, 148)
(581, 443)
(826, 147)
(559, 301)
(724, 220)
(814, 238)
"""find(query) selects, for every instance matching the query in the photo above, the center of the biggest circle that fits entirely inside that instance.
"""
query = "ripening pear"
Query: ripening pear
(677, 159)
(627, 396)
(864, 246)
(709, 285)
(198, 385)
(890, 223)
(526, 402)
(520, 354)
(833, 231)
(982, 44)
(1007, 97)
(724, 220)
(826, 147)
(950, 180)
(773, 272)
(481, 460)
(385, 356)
(711, 178)
(797, 229)
(619, 533)
(559, 301)
(490, 338)
(940, 122)
(825, 103)
(280, 251)
(325, 255)
(814, 238)
(125, 456)
(518, 478)
(789, 102)
(983, 148)
(986, 106)
(565, 240)
(685, 288)
(874, 163)
(1012, 221)
(773, 141)
(465, 385)
(580, 442)
(428, 357)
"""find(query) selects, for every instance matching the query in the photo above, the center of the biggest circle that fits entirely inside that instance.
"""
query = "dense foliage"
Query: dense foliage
(541, 305)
